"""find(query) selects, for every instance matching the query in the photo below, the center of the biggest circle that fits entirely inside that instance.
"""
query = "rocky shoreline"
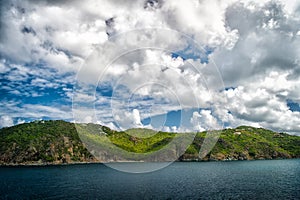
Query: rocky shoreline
(37, 164)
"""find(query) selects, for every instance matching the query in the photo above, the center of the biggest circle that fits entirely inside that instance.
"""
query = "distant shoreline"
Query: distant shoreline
(86, 163)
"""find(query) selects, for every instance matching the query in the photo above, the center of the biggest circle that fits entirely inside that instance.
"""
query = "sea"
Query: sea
(263, 179)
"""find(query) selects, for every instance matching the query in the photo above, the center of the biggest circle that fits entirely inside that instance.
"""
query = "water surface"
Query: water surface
(270, 179)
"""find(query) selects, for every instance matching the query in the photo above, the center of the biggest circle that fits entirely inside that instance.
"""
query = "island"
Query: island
(58, 142)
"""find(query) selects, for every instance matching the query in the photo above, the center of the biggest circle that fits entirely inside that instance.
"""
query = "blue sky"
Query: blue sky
(174, 66)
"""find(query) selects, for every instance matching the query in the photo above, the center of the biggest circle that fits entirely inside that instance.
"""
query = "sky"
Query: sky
(179, 66)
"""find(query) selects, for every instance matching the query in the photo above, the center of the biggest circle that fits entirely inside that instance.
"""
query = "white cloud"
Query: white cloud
(17, 110)
(136, 117)
(202, 19)
(6, 121)
(204, 120)
(127, 119)
(260, 48)
(20, 121)
(255, 46)
(263, 103)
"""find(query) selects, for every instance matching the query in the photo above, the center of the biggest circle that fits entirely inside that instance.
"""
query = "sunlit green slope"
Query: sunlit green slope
(45, 142)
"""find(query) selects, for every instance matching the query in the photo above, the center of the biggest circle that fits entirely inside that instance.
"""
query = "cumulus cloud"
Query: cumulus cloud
(127, 119)
(6, 121)
(267, 41)
(236, 61)
(264, 103)
(21, 121)
(136, 117)
(204, 120)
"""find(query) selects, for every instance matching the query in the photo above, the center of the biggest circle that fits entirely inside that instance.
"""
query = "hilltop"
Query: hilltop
(56, 142)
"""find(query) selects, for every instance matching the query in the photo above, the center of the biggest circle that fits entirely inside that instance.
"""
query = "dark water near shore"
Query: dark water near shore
(272, 179)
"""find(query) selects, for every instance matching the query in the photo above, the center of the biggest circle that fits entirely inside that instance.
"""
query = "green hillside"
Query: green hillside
(55, 142)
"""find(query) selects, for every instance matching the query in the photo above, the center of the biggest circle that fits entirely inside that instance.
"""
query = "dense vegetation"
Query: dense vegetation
(40, 142)
(59, 142)
(246, 143)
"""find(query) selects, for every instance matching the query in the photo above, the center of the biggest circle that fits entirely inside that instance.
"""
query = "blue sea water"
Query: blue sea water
(268, 179)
